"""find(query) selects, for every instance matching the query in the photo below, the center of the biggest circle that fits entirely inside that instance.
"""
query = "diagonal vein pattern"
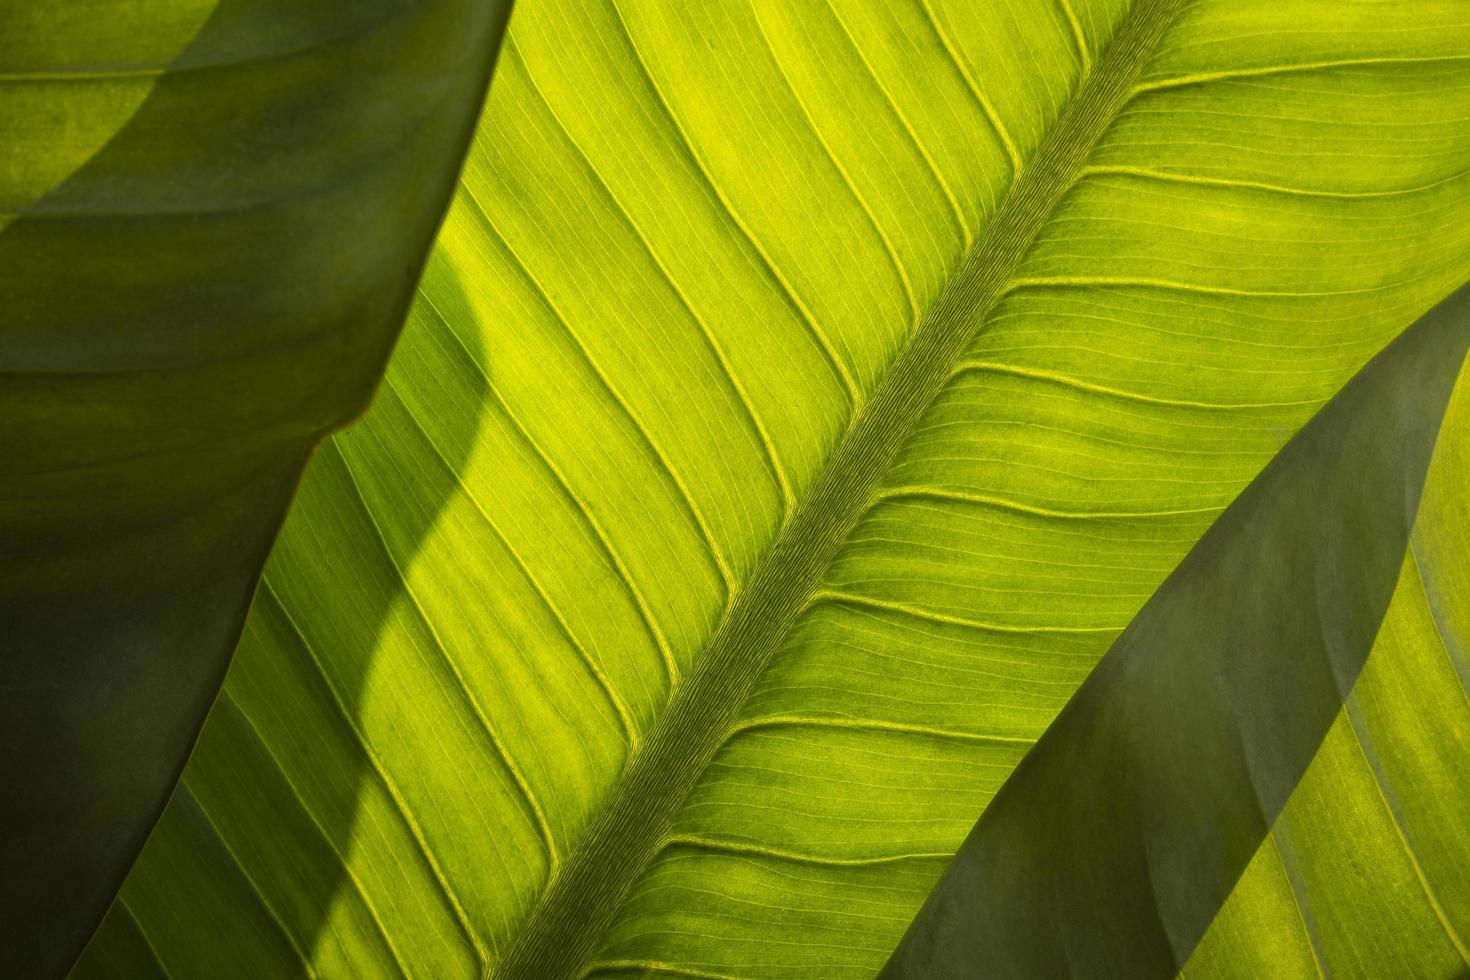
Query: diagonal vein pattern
(687, 246)
(579, 902)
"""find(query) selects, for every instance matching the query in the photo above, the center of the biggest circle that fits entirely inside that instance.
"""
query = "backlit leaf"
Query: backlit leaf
(799, 401)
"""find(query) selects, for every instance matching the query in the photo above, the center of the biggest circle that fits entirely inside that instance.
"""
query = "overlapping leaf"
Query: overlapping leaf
(1226, 731)
(212, 215)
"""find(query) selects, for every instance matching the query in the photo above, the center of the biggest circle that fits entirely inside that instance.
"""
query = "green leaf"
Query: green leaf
(211, 219)
(799, 401)
(1392, 779)
(1118, 838)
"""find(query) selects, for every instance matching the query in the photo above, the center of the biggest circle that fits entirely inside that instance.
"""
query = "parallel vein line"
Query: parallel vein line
(656, 966)
(1148, 173)
(852, 188)
(394, 793)
(1296, 903)
(609, 550)
(584, 655)
(127, 908)
(834, 359)
(966, 236)
(1001, 503)
(1083, 54)
(228, 699)
(1197, 78)
(752, 849)
(975, 90)
(95, 75)
(870, 725)
(462, 688)
(717, 554)
(995, 367)
(243, 868)
(251, 60)
(773, 459)
(1439, 633)
(1037, 282)
(929, 615)
(1403, 838)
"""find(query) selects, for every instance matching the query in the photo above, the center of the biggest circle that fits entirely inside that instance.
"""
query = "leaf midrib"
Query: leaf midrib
(581, 899)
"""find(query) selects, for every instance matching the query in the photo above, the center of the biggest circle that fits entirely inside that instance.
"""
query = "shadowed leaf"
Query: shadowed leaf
(213, 219)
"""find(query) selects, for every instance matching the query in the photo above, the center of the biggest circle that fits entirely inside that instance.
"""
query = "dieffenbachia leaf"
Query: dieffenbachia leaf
(1117, 840)
(799, 401)
(212, 215)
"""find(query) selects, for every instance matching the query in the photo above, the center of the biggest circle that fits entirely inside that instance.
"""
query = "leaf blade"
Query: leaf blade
(624, 132)
(1388, 778)
(1115, 842)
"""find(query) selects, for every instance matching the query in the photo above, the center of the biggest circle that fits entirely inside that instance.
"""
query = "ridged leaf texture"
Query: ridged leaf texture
(798, 403)
(1284, 713)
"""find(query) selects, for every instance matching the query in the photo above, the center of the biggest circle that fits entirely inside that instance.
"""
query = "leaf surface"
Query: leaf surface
(798, 403)
(1223, 722)
(211, 219)
(1392, 777)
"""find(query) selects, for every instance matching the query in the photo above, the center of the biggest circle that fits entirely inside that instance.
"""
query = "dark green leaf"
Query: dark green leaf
(212, 222)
